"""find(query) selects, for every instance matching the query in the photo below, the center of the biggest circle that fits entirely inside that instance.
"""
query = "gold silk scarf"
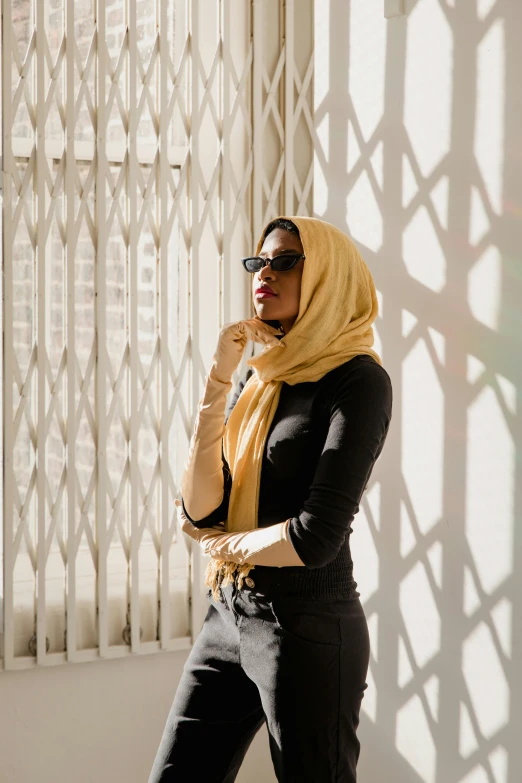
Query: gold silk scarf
(337, 307)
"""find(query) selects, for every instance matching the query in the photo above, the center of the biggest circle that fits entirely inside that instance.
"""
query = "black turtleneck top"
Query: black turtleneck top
(319, 454)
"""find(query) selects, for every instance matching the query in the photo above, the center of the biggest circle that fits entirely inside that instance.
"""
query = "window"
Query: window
(130, 186)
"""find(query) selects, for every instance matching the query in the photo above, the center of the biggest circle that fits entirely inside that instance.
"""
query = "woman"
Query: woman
(285, 639)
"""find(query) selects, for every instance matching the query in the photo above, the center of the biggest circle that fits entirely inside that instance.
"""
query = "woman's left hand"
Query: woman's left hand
(204, 536)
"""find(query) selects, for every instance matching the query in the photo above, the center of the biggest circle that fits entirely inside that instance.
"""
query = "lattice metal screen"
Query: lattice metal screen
(145, 142)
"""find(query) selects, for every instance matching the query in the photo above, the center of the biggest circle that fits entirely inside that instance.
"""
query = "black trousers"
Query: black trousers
(298, 664)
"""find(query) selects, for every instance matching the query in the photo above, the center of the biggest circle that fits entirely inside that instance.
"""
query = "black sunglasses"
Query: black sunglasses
(279, 264)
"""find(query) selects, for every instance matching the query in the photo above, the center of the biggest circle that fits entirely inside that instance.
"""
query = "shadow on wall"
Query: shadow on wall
(418, 158)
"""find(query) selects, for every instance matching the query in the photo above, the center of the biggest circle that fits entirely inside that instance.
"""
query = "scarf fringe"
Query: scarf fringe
(220, 573)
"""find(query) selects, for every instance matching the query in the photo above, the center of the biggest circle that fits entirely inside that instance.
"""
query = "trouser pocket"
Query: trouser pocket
(307, 621)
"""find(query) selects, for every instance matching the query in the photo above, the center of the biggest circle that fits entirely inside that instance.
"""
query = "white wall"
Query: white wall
(91, 723)
(419, 122)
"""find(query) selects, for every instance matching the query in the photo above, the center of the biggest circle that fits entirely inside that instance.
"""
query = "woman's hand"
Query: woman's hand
(208, 537)
(233, 338)
(268, 546)
(203, 536)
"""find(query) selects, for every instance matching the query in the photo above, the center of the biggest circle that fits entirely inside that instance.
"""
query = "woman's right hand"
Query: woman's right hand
(232, 341)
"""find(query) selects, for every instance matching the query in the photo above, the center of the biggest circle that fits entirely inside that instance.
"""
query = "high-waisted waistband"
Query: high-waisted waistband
(300, 582)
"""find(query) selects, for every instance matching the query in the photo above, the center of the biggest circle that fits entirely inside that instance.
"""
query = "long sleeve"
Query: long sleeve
(360, 415)
(221, 511)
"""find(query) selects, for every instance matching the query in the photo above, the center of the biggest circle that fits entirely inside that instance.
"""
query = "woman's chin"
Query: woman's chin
(265, 312)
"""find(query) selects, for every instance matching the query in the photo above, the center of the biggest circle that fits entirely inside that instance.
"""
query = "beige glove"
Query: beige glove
(202, 485)
(267, 546)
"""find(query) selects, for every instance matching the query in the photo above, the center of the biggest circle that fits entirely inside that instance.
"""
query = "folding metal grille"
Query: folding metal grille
(145, 143)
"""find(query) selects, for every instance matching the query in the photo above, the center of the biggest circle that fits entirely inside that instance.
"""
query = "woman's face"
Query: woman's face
(283, 304)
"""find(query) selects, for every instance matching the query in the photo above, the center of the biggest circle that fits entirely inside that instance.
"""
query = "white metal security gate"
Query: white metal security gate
(145, 143)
